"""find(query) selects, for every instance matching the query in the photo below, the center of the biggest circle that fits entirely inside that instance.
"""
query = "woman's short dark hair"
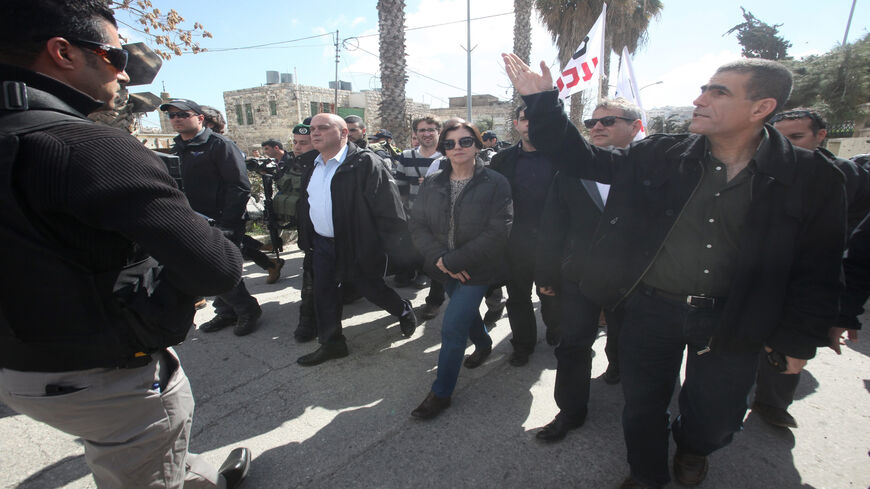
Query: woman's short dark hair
(452, 126)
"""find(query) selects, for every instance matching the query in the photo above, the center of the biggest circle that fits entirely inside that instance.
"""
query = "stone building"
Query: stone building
(270, 111)
(486, 109)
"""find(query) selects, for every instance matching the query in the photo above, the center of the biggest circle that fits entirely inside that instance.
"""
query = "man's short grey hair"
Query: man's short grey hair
(355, 119)
(628, 109)
(768, 79)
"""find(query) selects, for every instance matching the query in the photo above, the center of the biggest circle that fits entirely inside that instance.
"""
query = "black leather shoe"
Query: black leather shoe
(773, 415)
(408, 322)
(477, 357)
(558, 428)
(421, 281)
(431, 407)
(217, 323)
(611, 375)
(247, 323)
(235, 467)
(323, 354)
(518, 358)
(689, 469)
(492, 316)
(427, 311)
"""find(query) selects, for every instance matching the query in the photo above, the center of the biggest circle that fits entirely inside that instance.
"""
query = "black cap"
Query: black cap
(302, 129)
(183, 104)
(487, 135)
(382, 133)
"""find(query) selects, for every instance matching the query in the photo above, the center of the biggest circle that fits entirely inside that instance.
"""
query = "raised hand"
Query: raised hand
(524, 79)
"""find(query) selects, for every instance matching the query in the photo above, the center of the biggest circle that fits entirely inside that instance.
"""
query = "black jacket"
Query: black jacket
(570, 217)
(367, 215)
(857, 188)
(215, 177)
(90, 191)
(787, 277)
(524, 235)
(483, 215)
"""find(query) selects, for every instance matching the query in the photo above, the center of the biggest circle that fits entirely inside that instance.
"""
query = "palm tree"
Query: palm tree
(522, 34)
(391, 29)
(570, 20)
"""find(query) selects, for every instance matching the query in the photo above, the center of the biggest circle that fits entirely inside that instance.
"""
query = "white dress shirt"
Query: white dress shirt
(320, 193)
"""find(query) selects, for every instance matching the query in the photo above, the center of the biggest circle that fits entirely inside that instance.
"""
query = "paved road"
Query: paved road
(346, 423)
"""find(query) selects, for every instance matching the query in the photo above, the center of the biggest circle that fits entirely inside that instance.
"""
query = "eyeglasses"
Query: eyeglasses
(427, 129)
(178, 115)
(117, 57)
(605, 121)
(465, 142)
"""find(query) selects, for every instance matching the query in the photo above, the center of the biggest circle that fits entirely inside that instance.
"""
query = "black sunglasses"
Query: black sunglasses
(117, 57)
(178, 115)
(605, 121)
(465, 142)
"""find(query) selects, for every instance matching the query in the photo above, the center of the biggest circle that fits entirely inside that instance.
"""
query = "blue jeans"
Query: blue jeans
(461, 321)
(713, 398)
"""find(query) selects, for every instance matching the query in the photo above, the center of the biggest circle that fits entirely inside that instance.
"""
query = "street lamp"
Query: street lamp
(651, 84)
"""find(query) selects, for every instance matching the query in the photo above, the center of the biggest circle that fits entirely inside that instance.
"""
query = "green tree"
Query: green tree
(569, 22)
(391, 31)
(165, 32)
(837, 82)
(759, 39)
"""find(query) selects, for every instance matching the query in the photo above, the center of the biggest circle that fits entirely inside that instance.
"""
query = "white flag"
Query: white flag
(582, 69)
(626, 87)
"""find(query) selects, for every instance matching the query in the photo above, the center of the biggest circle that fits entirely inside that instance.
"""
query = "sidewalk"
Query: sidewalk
(346, 423)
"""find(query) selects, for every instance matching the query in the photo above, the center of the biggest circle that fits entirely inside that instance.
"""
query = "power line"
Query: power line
(256, 46)
(445, 23)
(417, 73)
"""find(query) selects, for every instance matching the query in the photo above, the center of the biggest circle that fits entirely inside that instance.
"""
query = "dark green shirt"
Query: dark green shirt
(699, 255)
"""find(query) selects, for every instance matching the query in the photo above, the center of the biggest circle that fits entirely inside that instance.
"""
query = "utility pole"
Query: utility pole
(849, 22)
(337, 59)
(468, 52)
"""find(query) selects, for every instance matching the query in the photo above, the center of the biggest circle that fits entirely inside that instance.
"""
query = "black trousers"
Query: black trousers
(524, 327)
(772, 387)
(236, 301)
(251, 251)
(579, 329)
(307, 316)
(328, 297)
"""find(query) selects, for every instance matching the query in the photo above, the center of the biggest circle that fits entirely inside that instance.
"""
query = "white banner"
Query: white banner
(583, 69)
(626, 87)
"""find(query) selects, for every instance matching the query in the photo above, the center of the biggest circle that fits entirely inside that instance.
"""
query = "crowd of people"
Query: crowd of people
(743, 243)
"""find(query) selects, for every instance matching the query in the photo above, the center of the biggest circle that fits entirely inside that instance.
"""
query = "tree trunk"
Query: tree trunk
(391, 27)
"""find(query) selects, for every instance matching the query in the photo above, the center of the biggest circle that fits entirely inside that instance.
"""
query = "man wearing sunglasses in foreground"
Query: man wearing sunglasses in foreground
(726, 241)
(571, 215)
(81, 205)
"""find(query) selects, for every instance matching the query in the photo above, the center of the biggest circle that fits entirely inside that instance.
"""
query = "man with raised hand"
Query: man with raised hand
(727, 240)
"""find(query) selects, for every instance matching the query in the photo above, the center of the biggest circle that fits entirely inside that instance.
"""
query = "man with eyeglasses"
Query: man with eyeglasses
(530, 173)
(217, 186)
(726, 242)
(82, 205)
(571, 214)
(807, 129)
(411, 168)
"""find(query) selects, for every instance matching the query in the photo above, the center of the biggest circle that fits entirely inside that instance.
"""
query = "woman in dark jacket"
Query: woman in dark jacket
(460, 223)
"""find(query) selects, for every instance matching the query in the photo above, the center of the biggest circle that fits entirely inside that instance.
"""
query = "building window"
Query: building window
(321, 107)
(249, 114)
(240, 118)
(273, 107)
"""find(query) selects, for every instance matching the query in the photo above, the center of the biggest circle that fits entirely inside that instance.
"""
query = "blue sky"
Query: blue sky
(685, 44)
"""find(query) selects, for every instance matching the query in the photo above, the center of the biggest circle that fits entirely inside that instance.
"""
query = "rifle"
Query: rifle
(266, 167)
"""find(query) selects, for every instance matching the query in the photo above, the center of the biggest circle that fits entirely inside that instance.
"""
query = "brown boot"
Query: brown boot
(689, 469)
(275, 270)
